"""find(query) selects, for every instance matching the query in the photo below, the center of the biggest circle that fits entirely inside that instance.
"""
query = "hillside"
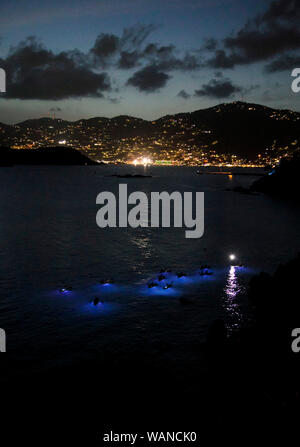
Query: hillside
(243, 129)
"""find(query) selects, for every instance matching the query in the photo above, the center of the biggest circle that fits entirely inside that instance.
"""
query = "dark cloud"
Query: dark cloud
(157, 54)
(258, 45)
(127, 47)
(134, 36)
(105, 47)
(218, 88)
(129, 59)
(55, 109)
(188, 63)
(149, 79)
(221, 59)
(33, 72)
(183, 94)
(266, 36)
(280, 10)
(283, 63)
(165, 58)
(209, 44)
(131, 50)
(221, 87)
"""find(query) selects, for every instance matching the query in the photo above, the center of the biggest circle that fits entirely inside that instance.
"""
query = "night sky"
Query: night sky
(79, 59)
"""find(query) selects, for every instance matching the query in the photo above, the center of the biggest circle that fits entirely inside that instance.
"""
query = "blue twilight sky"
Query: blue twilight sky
(145, 58)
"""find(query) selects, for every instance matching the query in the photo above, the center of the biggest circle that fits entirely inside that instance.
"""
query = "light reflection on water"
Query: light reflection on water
(232, 291)
(144, 243)
(145, 251)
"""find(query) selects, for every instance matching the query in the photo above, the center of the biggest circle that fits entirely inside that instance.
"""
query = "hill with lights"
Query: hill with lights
(227, 131)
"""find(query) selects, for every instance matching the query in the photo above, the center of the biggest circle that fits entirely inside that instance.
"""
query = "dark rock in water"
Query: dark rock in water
(205, 272)
(105, 282)
(161, 277)
(130, 175)
(66, 289)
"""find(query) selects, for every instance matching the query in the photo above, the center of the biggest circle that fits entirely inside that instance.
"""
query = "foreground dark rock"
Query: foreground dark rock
(260, 354)
(283, 180)
(44, 156)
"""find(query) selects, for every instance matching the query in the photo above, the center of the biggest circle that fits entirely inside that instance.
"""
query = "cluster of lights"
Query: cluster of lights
(142, 161)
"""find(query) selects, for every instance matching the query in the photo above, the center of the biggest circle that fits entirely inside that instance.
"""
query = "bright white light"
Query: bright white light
(142, 161)
(231, 257)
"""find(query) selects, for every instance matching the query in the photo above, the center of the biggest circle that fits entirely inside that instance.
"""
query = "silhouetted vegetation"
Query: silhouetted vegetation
(43, 156)
(283, 180)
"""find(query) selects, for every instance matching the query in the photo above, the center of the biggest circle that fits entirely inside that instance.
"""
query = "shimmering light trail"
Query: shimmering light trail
(232, 290)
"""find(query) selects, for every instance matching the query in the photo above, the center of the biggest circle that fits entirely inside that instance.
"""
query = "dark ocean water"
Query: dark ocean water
(49, 238)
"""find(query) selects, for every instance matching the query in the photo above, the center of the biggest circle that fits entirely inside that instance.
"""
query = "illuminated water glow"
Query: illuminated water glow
(94, 311)
(232, 290)
(64, 291)
(184, 286)
(160, 291)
